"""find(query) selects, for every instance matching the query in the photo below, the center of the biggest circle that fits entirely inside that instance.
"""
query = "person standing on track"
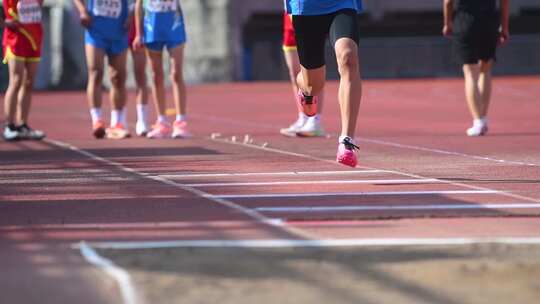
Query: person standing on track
(160, 25)
(139, 69)
(476, 31)
(304, 126)
(106, 24)
(21, 43)
(313, 21)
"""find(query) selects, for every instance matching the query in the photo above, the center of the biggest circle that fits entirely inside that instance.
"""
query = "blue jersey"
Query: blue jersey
(163, 21)
(108, 18)
(320, 7)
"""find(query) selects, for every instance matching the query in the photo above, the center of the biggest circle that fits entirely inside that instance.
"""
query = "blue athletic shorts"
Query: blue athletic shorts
(111, 47)
(158, 46)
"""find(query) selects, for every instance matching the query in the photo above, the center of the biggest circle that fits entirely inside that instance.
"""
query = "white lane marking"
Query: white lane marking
(471, 206)
(322, 182)
(291, 173)
(121, 276)
(321, 243)
(247, 211)
(503, 193)
(432, 150)
(382, 193)
(65, 181)
(27, 171)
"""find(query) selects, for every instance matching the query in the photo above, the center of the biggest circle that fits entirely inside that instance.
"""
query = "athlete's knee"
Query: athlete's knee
(95, 75)
(485, 66)
(176, 75)
(347, 58)
(16, 81)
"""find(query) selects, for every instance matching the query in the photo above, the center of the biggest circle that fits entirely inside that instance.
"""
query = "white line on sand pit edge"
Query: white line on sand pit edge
(321, 243)
(122, 278)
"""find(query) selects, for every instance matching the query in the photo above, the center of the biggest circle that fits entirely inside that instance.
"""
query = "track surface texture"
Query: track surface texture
(242, 214)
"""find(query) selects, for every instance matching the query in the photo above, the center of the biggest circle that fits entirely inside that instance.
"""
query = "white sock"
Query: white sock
(95, 113)
(180, 117)
(115, 117)
(162, 118)
(123, 117)
(480, 122)
(342, 137)
(142, 112)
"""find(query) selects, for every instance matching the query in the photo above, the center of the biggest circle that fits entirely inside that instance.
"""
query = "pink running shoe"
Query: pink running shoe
(180, 130)
(160, 130)
(308, 104)
(117, 132)
(346, 154)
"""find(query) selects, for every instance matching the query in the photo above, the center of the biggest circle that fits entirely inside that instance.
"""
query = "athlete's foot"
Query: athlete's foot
(141, 128)
(346, 153)
(312, 128)
(292, 130)
(117, 132)
(98, 129)
(160, 130)
(308, 104)
(11, 133)
(28, 133)
(180, 130)
(479, 128)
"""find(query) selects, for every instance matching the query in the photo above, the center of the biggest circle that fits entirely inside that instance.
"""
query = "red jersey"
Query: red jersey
(23, 43)
(289, 39)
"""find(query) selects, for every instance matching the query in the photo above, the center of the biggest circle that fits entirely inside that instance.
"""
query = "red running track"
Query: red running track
(419, 175)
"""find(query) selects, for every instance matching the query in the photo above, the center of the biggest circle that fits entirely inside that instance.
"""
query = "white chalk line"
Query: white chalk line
(477, 157)
(250, 174)
(64, 181)
(442, 207)
(122, 278)
(319, 182)
(320, 243)
(357, 194)
(253, 146)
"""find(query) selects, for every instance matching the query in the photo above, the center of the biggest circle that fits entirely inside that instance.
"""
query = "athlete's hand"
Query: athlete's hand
(137, 43)
(447, 30)
(86, 20)
(504, 35)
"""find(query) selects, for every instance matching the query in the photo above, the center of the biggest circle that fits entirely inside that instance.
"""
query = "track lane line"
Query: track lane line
(331, 194)
(290, 173)
(320, 182)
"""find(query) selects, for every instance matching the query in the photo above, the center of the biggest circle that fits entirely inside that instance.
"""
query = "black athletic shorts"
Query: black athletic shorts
(475, 36)
(312, 31)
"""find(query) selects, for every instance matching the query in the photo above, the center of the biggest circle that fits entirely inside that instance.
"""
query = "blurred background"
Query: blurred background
(240, 40)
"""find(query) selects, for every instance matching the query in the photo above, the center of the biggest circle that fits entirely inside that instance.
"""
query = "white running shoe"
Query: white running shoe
(11, 133)
(292, 130)
(25, 132)
(479, 128)
(312, 128)
(141, 128)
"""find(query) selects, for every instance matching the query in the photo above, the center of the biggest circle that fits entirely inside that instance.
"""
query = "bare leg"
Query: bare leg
(293, 66)
(16, 76)
(94, 62)
(177, 79)
(484, 86)
(139, 67)
(311, 82)
(25, 91)
(350, 86)
(117, 74)
(472, 93)
(158, 87)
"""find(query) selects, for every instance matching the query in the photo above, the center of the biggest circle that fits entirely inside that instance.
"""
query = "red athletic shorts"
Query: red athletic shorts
(25, 42)
(289, 39)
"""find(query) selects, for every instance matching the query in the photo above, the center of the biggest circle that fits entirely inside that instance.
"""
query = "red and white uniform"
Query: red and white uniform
(23, 43)
(289, 38)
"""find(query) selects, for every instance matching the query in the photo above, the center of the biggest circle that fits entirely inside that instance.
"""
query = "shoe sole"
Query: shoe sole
(288, 133)
(310, 134)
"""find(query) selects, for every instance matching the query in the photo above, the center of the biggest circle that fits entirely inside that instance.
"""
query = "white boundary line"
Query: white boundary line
(122, 278)
(397, 207)
(247, 211)
(321, 182)
(321, 243)
(291, 173)
(389, 193)
(411, 147)
(504, 193)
